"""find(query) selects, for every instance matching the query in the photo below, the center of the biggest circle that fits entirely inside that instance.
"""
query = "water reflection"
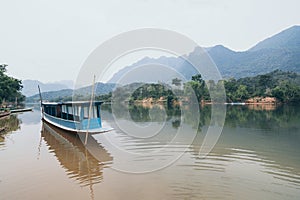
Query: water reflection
(76, 158)
(31, 117)
(7, 125)
(267, 139)
(256, 157)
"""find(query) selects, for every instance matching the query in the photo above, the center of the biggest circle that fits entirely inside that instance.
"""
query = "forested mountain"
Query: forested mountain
(275, 58)
(286, 39)
(284, 86)
(281, 51)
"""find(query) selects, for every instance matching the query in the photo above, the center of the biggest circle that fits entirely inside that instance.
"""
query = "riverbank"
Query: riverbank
(250, 101)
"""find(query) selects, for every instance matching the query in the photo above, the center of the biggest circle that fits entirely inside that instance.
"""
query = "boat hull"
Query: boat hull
(73, 126)
(21, 110)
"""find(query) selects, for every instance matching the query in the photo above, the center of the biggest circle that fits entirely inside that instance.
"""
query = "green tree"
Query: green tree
(176, 82)
(10, 88)
(242, 92)
(199, 87)
(231, 87)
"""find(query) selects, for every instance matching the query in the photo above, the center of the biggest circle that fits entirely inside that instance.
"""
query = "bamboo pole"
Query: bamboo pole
(90, 111)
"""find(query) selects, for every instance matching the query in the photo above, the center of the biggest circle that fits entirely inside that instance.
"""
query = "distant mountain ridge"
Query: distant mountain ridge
(279, 52)
(288, 38)
(30, 87)
(100, 89)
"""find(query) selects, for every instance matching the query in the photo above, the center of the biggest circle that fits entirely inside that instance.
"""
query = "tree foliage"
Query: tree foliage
(285, 86)
(176, 82)
(154, 91)
(10, 88)
(199, 88)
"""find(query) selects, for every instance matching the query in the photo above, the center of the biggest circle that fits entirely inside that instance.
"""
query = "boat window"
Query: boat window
(85, 112)
(64, 108)
(53, 111)
(70, 110)
(64, 112)
(75, 108)
(95, 112)
(46, 110)
(76, 113)
(79, 110)
(50, 110)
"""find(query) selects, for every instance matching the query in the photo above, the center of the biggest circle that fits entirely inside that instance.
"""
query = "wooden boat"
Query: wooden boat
(78, 117)
(17, 110)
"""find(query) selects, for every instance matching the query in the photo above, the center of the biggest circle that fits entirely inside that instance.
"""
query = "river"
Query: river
(256, 157)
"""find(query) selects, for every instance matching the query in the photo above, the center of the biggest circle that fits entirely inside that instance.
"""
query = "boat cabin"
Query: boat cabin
(73, 115)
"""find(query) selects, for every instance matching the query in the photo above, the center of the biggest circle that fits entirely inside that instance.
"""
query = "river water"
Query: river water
(256, 157)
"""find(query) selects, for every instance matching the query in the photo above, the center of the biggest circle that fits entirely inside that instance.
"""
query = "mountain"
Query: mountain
(279, 52)
(146, 66)
(48, 96)
(30, 87)
(288, 38)
(100, 89)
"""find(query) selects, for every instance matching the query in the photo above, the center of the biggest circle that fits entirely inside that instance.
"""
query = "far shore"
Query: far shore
(265, 105)
(251, 101)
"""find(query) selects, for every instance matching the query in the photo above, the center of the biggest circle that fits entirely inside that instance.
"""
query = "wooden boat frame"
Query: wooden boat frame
(77, 116)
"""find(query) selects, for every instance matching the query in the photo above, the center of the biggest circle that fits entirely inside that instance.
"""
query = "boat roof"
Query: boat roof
(73, 103)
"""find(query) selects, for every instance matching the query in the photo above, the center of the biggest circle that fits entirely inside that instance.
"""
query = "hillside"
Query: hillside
(100, 89)
(288, 38)
(281, 51)
(284, 86)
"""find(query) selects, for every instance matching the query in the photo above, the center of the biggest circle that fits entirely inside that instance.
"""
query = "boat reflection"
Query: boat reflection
(82, 163)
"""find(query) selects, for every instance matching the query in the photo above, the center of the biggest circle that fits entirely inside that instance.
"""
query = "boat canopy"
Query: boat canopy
(70, 103)
(77, 111)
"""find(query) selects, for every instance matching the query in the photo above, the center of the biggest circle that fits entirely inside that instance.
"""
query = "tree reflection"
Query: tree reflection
(7, 125)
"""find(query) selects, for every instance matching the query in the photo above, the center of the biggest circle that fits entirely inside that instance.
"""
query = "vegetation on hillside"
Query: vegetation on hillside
(284, 86)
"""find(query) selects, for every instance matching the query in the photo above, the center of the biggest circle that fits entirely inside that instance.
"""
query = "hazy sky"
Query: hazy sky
(49, 40)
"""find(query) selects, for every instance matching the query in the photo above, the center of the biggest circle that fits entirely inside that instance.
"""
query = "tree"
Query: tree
(198, 78)
(10, 88)
(176, 82)
(3, 68)
(199, 87)
(242, 92)
(278, 93)
(231, 87)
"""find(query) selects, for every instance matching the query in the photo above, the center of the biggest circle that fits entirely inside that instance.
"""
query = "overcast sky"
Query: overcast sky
(48, 40)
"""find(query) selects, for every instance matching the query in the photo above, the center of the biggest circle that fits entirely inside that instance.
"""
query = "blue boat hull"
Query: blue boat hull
(91, 126)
